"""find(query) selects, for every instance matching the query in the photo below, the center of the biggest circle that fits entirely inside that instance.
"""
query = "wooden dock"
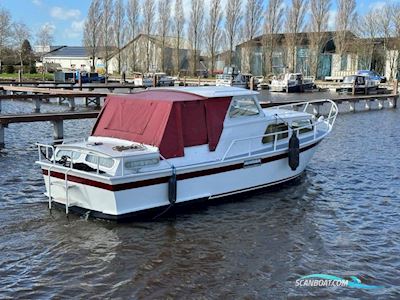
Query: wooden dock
(57, 119)
(37, 95)
(391, 99)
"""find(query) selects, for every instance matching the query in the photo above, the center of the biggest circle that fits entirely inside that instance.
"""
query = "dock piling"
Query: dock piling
(58, 129)
(37, 102)
(2, 136)
(71, 103)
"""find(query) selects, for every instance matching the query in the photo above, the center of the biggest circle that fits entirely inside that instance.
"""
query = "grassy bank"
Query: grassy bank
(14, 76)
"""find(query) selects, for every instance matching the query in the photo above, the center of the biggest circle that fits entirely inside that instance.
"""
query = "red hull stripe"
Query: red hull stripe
(160, 180)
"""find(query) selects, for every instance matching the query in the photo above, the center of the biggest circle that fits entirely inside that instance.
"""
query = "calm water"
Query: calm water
(341, 218)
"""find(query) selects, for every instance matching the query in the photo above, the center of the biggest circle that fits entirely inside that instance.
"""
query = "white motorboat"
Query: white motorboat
(292, 83)
(232, 77)
(358, 84)
(161, 79)
(168, 146)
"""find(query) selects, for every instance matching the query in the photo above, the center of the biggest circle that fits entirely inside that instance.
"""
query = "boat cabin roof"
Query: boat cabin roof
(207, 91)
(168, 118)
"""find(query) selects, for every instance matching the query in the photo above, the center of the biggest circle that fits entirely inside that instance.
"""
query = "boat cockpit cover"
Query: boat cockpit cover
(169, 120)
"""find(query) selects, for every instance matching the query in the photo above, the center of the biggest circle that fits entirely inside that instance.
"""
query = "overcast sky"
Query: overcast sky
(67, 17)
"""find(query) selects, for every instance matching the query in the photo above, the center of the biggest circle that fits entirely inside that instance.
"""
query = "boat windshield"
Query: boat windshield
(243, 106)
(348, 79)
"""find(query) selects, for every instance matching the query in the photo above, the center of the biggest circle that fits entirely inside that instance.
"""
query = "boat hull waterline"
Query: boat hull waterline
(116, 201)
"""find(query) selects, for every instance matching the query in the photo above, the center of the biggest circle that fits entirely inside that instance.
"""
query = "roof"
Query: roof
(167, 119)
(210, 91)
(67, 51)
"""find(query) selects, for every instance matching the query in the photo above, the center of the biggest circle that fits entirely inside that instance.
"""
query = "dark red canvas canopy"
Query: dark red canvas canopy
(169, 120)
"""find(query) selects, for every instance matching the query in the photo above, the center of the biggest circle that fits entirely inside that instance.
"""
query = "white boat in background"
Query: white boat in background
(147, 80)
(359, 83)
(232, 77)
(167, 146)
(292, 83)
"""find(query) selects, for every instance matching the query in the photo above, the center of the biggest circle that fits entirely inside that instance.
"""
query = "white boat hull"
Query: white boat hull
(115, 201)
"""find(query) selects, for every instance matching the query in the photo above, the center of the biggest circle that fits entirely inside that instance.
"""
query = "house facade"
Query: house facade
(144, 54)
(378, 54)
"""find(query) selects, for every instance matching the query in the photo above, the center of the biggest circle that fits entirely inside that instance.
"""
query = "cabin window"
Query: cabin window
(103, 161)
(273, 128)
(305, 126)
(243, 106)
(61, 153)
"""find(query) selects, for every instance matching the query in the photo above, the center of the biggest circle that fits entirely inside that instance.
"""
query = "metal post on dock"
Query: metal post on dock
(251, 86)
(395, 86)
(353, 89)
(367, 105)
(19, 76)
(2, 136)
(58, 129)
(80, 81)
(380, 104)
(352, 106)
(3, 92)
(37, 104)
(71, 103)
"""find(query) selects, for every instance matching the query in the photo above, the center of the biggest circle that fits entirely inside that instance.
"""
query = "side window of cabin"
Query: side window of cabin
(273, 128)
(243, 106)
(304, 125)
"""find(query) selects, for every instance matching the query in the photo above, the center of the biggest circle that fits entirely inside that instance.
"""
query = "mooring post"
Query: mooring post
(2, 136)
(37, 105)
(353, 89)
(380, 103)
(251, 85)
(392, 102)
(71, 103)
(80, 80)
(352, 106)
(3, 92)
(395, 86)
(97, 101)
(367, 105)
(58, 129)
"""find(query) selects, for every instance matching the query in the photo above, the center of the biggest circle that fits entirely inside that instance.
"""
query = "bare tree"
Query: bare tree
(232, 24)
(196, 29)
(20, 33)
(367, 30)
(5, 29)
(91, 33)
(44, 36)
(395, 12)
(106, 30)
(317, 35)
(294, 24)
(386, 29)
(213, 29)
(344, 19)
(149, 9)
(133, 14)
(164, 26)
(252, 25)
(119, 29)
(178, 26)
(272, 25)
